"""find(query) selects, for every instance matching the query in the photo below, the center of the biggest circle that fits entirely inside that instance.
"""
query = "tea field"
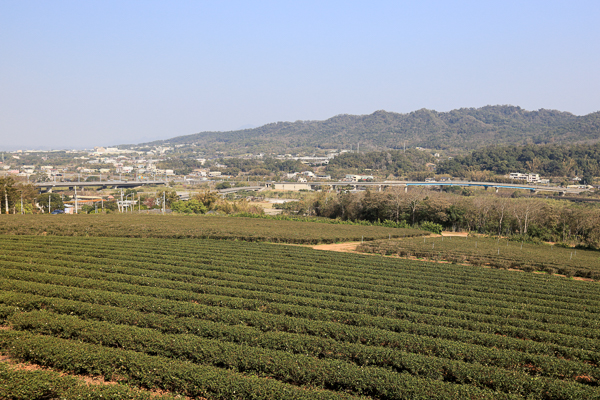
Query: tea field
(198, 227)
(220, 319)
(496, 253)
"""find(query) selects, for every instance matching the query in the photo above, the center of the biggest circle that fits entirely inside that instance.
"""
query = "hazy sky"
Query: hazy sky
(85, 73)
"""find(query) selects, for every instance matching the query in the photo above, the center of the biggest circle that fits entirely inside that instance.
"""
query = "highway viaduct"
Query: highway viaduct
(487, 185)
(49, 186)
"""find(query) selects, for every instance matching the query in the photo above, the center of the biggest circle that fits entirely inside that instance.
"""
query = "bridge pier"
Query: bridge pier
(406, 189)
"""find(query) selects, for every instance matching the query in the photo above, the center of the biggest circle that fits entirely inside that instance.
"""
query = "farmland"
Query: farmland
(198, 227)
(494, 252)
(234, 320)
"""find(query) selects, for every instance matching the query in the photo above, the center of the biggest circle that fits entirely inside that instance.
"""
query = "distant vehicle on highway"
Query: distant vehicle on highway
(57, 211)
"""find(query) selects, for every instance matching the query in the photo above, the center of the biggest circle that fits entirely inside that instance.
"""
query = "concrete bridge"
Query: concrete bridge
(487, 185)
(238, 189)
(49, 186)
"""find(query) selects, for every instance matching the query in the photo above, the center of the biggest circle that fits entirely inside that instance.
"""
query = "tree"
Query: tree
(523, 210)
(191, 206)
(170, 197)
(11, 194)
(395, 199)
(150, 202)
(56, 202)
(414, 197)
(208, 198)
(587, 179)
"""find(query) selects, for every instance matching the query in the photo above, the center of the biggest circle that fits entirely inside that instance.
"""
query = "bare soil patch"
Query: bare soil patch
(348, 247)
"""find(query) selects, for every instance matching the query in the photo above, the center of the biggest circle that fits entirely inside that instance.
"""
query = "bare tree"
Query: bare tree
(523, 210)
(501, 205)
(413, 197)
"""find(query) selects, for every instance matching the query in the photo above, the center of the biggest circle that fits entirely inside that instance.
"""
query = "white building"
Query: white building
(358, 178)
(530, 178)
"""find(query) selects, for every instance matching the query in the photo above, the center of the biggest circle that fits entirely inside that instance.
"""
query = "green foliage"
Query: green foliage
(465, 128)
(170, 197)
(191, 206)
(223, 185)
(17, 384)
(92, 178)
(277, 230)
(224, 319)
(56, 201)
(519, 252)
(12, 192)
(394, 162)
(431, 227)
(550, 160)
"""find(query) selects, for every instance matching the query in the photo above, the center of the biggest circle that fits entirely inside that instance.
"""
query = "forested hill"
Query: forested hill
(462, 129)
(581, 160)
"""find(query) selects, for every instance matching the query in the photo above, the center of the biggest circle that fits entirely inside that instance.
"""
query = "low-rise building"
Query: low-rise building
(358, 178)
(530, 178)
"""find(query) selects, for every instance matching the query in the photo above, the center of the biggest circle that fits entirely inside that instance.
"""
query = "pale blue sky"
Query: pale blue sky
(85, 73)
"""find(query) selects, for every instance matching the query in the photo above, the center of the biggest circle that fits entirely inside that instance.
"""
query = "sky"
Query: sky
(76, 74)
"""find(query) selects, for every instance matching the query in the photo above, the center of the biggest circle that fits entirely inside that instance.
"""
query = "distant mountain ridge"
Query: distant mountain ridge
(462, 129)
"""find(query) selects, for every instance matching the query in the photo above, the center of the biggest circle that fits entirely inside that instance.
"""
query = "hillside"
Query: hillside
(581, 160)
(462, 129)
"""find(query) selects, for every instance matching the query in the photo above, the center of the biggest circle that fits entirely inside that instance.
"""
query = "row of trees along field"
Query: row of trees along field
(533, 218)
(17, 198)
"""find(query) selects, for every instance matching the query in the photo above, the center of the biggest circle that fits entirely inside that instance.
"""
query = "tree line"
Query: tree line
(528, 218)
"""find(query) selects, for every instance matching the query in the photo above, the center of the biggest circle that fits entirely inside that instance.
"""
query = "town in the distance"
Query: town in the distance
(372, 169)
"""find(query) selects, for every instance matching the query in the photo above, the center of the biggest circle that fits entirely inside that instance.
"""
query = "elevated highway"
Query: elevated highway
(49, 186)
(241, 188)
(487, 185)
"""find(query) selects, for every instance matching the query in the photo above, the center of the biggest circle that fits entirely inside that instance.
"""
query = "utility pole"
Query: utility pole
(22, 212)
(76, 202)
(6, 199)
(49, 197)
(164, 193)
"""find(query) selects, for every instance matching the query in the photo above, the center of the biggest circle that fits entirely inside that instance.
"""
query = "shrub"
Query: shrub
(432, 227)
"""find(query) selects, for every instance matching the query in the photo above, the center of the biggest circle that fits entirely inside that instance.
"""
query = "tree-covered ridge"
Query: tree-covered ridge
(552, 160)
(465, 128)
(394, 162)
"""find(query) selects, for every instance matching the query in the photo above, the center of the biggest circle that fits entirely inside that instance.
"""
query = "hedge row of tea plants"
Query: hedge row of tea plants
(496, 253)
(289, 321)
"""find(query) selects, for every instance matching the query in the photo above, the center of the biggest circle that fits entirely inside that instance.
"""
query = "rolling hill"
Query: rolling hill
(462, 129)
